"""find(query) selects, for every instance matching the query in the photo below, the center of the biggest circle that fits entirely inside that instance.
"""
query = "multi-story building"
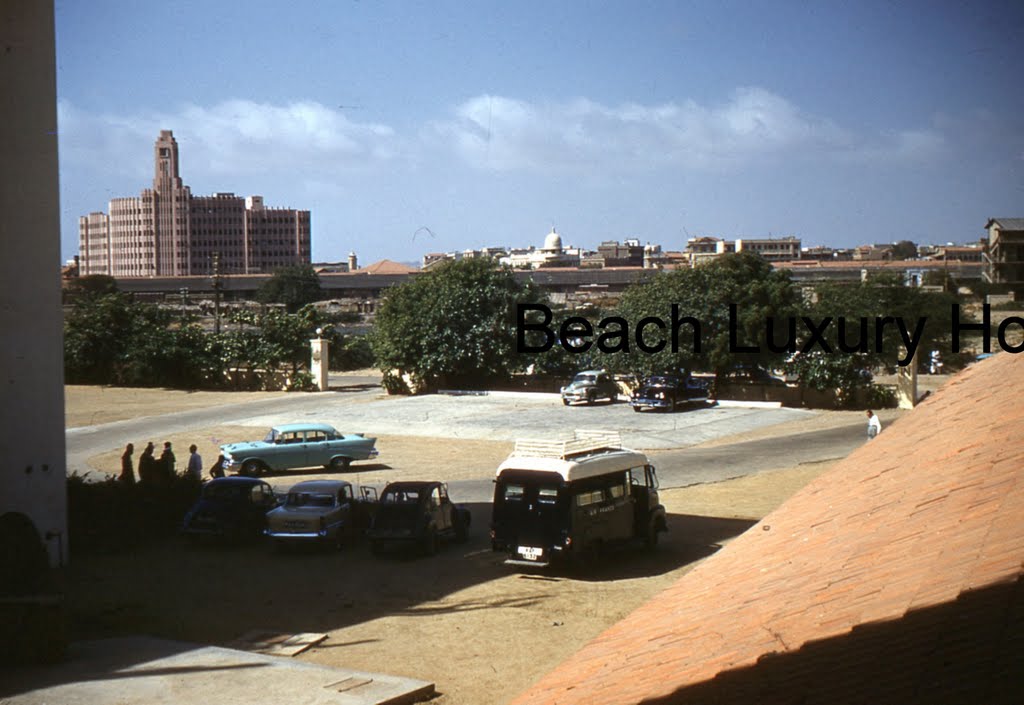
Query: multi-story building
(1004, 255)
(166, 231)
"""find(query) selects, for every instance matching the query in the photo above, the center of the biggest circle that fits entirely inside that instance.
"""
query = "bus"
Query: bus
(569, 499)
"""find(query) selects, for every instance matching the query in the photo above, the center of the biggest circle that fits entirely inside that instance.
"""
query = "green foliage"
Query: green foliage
(452, 325)
(904, 249)
(111, 516)
(293, 286)
(705, 293)
(90, 286)
(350, 352)
(880, 296)
(111, 339)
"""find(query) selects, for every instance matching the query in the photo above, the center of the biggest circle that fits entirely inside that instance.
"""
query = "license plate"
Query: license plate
(531, 553)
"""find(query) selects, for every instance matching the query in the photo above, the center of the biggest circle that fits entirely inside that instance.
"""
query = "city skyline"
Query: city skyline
(408, 128)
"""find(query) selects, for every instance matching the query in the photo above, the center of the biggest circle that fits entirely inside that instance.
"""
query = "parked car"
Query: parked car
(589, 386)
(298, 445)
(750, 374)
(417, 514)
(669, 392)
(232, 508)
(327, 512)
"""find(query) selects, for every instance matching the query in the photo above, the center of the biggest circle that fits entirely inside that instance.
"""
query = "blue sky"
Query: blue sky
(414, 127)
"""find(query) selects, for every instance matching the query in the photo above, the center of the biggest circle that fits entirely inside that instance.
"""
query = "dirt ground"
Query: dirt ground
(479, 630)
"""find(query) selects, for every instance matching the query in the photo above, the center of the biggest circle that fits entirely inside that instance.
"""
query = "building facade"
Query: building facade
(1004, 255)
(166, 231)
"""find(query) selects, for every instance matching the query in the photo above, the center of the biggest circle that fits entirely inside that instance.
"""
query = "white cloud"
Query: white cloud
(500, 133)
(301, 139)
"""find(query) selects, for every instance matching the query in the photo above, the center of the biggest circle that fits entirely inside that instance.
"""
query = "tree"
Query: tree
(904, 249)
(744, 283)
(293, 286)
(880, 296)
(452, 325)
(89, 286)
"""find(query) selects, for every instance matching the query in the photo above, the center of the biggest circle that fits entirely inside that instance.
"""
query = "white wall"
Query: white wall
(32, 462)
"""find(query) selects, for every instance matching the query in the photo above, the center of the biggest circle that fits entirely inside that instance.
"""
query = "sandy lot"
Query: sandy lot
(480, 631)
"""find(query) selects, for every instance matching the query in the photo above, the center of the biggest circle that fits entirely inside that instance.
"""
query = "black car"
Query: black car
(668, 392)
(418, 514)
(232, 508)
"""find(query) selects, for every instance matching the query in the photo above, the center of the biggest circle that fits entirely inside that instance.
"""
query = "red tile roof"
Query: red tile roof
(386, 266)
(892, 578)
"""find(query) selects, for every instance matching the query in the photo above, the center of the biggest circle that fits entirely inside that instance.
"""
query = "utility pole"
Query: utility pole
(184, 300)
(216, 292)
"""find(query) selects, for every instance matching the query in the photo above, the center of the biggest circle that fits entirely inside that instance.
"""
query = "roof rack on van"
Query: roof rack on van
(582, 442)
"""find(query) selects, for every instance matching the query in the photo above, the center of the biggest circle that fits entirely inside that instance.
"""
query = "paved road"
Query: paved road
(668, 438)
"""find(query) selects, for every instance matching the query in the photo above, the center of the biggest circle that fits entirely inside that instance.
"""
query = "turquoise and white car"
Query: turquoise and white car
(298, 445)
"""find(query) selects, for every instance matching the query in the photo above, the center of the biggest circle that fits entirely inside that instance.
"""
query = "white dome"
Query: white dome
(553, 241)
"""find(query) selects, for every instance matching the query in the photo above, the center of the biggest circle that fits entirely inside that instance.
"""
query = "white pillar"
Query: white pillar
(321, 348)
(906, 384)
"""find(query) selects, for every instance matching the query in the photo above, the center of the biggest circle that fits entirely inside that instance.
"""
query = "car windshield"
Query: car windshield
(309, 499)
(406, 496)
(271, 436)
(583, 378)
(661, 381)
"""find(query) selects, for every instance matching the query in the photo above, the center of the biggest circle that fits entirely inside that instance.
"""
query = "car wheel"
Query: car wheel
(565, 402)
(252, 468)
(340, 464)
(430, 542)
(636, 409)
(590, 397)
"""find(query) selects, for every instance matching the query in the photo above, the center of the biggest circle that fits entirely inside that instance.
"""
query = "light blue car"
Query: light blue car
(298, 445)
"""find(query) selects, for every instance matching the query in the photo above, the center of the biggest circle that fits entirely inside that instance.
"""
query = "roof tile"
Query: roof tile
(897, 574)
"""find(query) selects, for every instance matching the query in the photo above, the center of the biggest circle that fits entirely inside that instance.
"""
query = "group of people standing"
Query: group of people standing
(154, 470)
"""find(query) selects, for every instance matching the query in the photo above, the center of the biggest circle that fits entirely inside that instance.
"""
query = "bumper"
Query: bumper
(653, 403)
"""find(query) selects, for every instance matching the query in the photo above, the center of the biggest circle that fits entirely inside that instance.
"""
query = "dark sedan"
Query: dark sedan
(232, 508)
(667, 392)
(417, 514)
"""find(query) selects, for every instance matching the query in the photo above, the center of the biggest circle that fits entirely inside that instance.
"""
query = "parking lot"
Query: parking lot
(478, 629)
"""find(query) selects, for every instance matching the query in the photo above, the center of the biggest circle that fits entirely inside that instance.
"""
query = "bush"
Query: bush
(110, 515)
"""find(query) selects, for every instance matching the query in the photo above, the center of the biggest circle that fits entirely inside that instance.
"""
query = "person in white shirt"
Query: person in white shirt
(874, 425)
(195, 463)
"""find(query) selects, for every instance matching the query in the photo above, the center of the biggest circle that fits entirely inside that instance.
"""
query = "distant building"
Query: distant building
(629, 254)
(552, 254)
(1004, 256)
(703, 249)
(166, 231)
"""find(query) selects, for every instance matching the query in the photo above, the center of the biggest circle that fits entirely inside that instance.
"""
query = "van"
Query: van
(569, 499)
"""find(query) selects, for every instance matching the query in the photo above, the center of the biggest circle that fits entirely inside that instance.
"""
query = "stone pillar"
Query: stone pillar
(906, 384)
(318, 365)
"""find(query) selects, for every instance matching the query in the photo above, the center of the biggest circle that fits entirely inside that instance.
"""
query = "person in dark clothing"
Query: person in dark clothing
(127, 475)
(217, 469)
(167, 463)
(147, 465)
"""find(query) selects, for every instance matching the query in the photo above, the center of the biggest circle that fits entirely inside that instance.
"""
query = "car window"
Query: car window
(513, 492)
(315, 436)
(271, 436)
(583, 378)
(435, 497)
(291, 437)
(586, 498)
(400, 497)
(309, 499)
(345, 493)
(547, 495)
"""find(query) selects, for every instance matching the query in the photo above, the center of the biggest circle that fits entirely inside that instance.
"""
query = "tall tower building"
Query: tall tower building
(166, 231)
